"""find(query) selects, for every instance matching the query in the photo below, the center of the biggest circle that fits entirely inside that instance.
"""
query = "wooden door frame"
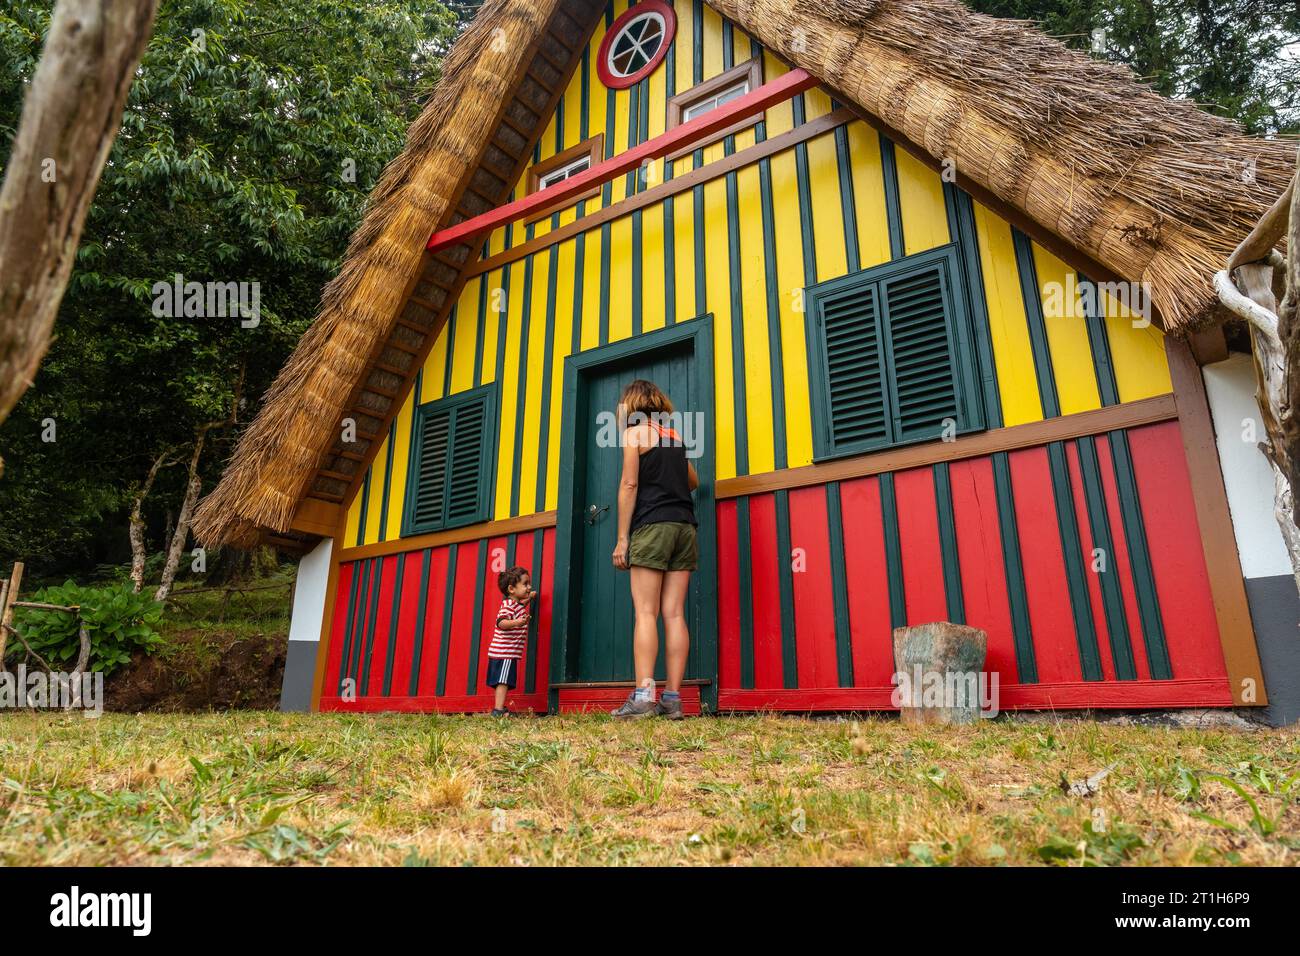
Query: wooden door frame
(579, 369)
(1214, 520)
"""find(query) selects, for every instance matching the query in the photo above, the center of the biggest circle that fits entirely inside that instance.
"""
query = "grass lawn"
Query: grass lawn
(257, 787)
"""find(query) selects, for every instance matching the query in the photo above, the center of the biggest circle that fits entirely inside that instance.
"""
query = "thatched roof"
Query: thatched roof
(1155, 190)
(279, 452)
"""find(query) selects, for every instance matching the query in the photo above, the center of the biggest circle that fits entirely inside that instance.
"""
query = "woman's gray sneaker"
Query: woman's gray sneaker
(636, 708)
(671, 709)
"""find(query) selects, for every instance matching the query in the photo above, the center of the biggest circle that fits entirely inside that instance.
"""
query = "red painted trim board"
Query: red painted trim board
(1068, 695)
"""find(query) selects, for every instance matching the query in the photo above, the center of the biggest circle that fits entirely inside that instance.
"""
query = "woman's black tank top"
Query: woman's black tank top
(663, 484)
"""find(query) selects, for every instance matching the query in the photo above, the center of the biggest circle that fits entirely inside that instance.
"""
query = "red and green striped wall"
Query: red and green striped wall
(1092, 592)
(1090, 585)
(411, 631)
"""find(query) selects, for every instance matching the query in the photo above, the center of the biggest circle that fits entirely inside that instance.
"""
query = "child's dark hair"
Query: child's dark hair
(510, 577)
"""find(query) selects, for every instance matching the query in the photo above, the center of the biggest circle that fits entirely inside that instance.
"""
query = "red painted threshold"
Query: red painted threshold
(580, 700)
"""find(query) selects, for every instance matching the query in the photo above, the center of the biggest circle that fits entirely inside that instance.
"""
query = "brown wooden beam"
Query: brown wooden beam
(436, 539)
(541, 51)
(1209, 345)
(315, 516)
(1218, 539)
(425, 302)
(1030, 435)
(413, 326)
(294, 546)
(405, 346)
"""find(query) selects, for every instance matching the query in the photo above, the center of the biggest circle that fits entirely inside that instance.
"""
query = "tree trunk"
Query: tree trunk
(72, 681)
(1284, 514)
(1286, 441)
(70, 118)
(177, 546)
(138, 551)
(11, 590)
(1280, 445)
(193, 487)
(937, 670)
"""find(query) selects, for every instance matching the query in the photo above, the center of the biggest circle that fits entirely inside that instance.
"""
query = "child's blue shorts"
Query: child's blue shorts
(502, 670)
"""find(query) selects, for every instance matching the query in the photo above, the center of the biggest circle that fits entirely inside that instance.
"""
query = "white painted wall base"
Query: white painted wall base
(1248, 479)
(305, 627)
(1230, 387)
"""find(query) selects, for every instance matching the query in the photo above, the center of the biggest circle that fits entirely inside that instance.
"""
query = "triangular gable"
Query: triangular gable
(1110, 201)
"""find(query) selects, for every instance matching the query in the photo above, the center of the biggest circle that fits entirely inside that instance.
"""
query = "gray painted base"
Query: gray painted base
(1275, 611)
(299, 669)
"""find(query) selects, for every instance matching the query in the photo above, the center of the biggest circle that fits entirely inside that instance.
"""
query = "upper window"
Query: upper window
(636, 43)
(711, 103)
(892, 355)
(713, 94)
(448, 481)
(564, 172)
(572, 162)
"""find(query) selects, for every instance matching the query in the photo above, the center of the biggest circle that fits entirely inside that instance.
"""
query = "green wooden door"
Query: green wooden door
(604, 636)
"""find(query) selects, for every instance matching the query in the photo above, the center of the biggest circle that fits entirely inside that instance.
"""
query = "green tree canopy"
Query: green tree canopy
(253, 134)
(1237, 58)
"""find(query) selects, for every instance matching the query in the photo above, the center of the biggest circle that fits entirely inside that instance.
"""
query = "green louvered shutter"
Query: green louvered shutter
(431, 475)
(855, 385)
(466, 474)
(886, 349)
(449, 481)
(923, 372)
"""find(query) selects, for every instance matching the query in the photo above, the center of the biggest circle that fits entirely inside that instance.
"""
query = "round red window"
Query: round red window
(636, 43)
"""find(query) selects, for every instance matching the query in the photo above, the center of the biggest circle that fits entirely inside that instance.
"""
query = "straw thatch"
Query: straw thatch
(1155, 190)
(277, 455)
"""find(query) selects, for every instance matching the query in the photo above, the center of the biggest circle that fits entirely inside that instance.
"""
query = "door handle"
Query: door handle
(594, 513)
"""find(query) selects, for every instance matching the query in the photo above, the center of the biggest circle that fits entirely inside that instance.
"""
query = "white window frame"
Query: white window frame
(721, 98)
(627, 28)
(568, 171)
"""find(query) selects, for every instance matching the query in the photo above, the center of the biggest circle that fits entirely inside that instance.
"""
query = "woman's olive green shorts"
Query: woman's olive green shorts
(664, 546)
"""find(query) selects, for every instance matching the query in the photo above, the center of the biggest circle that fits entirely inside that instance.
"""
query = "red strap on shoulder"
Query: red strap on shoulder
(669, 433)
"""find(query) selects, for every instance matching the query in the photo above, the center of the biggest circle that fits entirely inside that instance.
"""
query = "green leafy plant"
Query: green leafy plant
(1274, 793)
(119, 623)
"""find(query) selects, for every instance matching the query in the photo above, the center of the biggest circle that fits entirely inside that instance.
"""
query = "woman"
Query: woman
(656, 541)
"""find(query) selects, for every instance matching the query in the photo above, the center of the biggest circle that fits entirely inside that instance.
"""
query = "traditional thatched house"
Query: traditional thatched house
(884, 249)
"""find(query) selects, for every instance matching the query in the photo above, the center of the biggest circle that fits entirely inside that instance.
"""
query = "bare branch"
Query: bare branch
(1270, 228)
(1254, 313)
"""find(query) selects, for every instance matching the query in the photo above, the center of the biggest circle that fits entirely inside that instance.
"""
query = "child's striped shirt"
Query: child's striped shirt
(510, 644)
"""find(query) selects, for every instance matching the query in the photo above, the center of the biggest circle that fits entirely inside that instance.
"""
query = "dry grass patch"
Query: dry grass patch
(258, 787)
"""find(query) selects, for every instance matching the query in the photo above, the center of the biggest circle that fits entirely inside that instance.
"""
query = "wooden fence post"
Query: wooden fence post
(7, 608)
